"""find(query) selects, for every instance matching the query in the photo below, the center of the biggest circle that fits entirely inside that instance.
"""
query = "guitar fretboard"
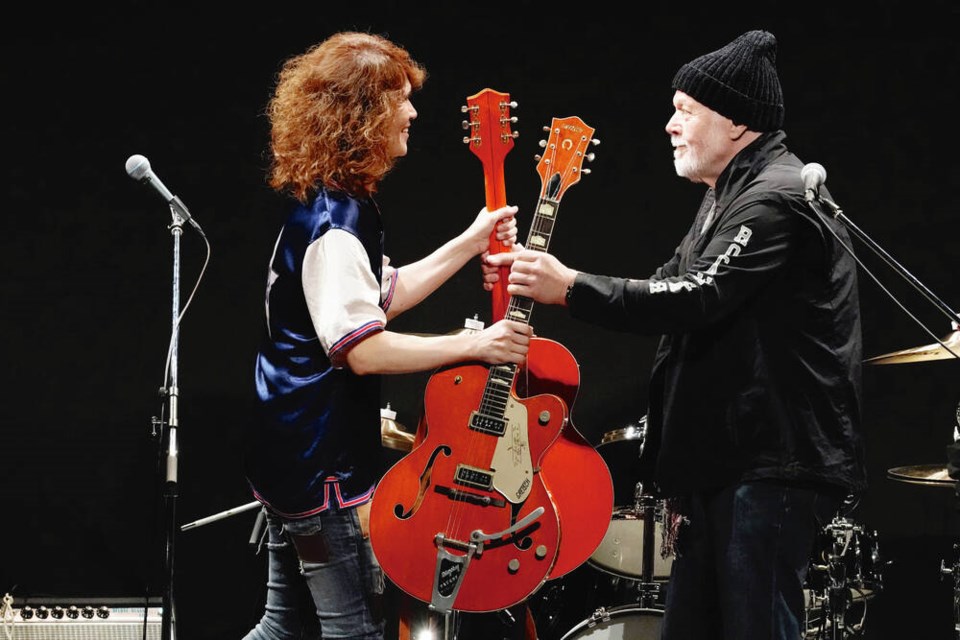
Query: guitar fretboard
(496, 394)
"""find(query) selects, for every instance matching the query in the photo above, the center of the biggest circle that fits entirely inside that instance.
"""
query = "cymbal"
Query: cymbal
(933, 475)
(922, 354)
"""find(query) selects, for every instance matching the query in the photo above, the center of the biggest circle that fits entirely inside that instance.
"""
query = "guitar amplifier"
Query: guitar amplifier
(81, 619)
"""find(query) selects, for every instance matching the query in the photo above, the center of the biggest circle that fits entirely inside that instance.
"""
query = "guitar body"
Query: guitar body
(584, 500)
(458, 480)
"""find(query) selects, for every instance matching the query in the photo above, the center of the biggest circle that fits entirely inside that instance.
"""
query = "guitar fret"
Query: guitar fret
(518, 314)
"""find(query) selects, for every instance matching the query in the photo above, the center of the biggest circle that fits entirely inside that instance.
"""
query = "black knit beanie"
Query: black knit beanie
(738, 81)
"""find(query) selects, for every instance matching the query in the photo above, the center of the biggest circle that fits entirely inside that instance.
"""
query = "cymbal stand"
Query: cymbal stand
(835, 596)
(954, 570)
(648, 589)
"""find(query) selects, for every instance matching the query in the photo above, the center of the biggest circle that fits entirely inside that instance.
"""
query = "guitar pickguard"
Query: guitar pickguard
(511, 465)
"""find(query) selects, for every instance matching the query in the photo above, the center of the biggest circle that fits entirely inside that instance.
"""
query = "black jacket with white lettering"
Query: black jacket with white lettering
(758, 371)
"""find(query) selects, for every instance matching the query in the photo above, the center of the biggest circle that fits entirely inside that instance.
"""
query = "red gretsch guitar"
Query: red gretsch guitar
(550, 367)
(463, 521)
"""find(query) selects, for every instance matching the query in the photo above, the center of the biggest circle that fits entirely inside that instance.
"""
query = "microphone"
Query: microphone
(813, 176)
(138, 168)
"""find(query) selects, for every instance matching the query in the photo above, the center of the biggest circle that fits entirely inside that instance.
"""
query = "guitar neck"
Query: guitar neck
(496, 197)
(520, 308)
(541, 232)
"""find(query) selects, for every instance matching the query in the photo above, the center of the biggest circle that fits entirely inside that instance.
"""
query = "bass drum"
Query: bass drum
(619, 623)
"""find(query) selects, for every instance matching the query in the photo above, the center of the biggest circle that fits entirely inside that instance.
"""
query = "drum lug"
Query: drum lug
(598, 616)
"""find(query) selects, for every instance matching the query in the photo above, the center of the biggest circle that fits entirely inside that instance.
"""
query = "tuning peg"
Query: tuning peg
(537, 157)
(589, 157)
(595, 141)
(512, 104)
(464, 108)
(465, 125)
(584, 170)
(543, 143)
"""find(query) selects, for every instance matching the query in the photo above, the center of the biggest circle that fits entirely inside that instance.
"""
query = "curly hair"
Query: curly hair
(330, 112)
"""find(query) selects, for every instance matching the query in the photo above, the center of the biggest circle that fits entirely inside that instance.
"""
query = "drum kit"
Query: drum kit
(622, 594)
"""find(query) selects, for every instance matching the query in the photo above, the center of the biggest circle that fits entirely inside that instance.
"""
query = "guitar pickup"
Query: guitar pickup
(473, 477)
(488, 424)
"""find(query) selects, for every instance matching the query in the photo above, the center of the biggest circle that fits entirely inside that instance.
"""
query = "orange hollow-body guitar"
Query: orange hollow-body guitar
(584, 499)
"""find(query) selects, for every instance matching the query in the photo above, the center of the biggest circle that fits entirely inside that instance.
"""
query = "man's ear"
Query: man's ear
(737, 130)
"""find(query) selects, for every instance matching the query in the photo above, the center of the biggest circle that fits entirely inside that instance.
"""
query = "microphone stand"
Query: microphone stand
(838, 214)
(170, 487)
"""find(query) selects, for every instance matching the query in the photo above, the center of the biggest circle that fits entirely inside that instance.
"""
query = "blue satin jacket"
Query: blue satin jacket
(316, 429)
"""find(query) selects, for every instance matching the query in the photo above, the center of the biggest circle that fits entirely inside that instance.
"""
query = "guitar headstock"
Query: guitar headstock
(488, 123)
(561, 163)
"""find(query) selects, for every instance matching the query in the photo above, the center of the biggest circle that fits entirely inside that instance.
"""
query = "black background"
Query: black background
(88, 254)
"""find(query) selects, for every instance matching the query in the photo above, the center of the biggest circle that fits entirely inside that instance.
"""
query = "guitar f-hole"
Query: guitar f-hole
(424, 484)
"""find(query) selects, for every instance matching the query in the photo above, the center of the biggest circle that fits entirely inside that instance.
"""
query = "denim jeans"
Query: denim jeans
(342, 591)
(742, 560)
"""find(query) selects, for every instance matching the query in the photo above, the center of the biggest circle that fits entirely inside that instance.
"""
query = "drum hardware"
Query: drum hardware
(954, 571)
(846, 571)
(648, 591)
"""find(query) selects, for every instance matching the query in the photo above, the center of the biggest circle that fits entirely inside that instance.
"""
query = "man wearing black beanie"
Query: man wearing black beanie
(754, 421)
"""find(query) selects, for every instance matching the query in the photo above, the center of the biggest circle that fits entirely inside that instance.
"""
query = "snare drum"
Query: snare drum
(619, 623)
(621, 550)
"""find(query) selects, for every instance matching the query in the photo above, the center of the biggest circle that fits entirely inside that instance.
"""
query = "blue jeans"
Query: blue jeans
(742, 560)
(320, 568)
